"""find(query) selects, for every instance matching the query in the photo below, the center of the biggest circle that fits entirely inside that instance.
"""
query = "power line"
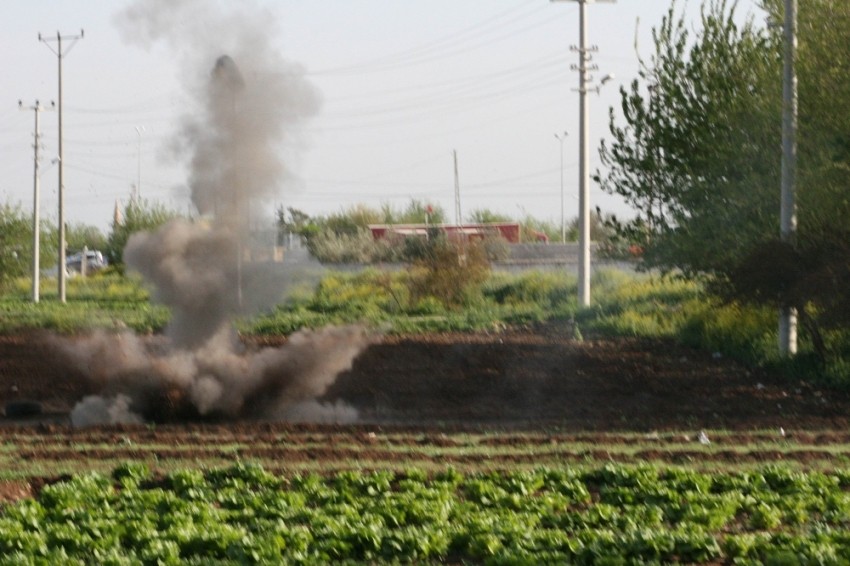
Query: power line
(449, 105)
(449, 42)
(440, 91)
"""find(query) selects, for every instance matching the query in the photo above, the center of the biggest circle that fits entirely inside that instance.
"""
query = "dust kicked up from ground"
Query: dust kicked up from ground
(248, 101)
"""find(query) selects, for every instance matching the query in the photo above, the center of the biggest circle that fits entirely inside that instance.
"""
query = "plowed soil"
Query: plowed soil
(522, 397)
(532, 376)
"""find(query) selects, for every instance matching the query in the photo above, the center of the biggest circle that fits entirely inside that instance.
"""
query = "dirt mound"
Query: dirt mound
(536, 375)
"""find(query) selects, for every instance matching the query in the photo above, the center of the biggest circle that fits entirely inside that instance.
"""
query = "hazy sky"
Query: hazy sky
(402, 83)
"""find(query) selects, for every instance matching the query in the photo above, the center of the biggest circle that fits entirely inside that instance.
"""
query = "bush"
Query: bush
(452, 272)
(545, 290)
(745, 332)
(359, 247)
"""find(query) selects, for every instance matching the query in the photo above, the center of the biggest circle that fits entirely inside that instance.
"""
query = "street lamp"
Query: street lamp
(561, 138)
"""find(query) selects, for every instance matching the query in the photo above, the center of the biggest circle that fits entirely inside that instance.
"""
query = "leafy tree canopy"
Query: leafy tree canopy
(486, 216)
(138, 216)
(79, 236)
(697, 151)
(15, 242)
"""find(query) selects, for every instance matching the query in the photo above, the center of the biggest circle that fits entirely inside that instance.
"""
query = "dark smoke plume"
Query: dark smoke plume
(250, 101)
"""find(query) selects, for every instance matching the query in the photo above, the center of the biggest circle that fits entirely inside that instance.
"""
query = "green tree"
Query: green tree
(696, 151)
(351, 220)
(15, 243)
(79, 236)
(293, 221)
(487, 216)
(419, 212)
(140, 215)
(601, 226)
(823, 70)
(811, 273)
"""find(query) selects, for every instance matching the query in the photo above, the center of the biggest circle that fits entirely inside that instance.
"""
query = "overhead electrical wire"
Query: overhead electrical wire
(480, 85)
(443, 108)
(457, 95)
(449, 43)
(478, 185)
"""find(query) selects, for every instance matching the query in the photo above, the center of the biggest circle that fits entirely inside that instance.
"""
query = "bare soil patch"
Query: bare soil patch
(533, 376)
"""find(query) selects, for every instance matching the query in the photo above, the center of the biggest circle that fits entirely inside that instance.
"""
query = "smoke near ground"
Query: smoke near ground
(249, 103)
(148, 379)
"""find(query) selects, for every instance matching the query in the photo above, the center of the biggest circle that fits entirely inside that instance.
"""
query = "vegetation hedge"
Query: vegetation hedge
(645, 305)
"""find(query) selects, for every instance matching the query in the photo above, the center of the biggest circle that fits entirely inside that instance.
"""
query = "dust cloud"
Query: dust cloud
(148, 379)
(248, 105)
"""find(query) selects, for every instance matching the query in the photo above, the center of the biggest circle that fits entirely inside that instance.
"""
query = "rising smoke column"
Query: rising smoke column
(250, 101)
(251, 98)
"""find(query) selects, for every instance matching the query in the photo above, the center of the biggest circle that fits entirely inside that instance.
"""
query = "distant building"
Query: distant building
(509, 231)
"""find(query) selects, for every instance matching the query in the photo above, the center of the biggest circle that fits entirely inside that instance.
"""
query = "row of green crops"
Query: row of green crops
(606, 515)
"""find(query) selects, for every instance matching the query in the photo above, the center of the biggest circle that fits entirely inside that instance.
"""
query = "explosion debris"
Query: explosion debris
(199, 369)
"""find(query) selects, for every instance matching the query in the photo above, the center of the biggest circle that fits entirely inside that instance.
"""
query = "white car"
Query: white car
(94, 261)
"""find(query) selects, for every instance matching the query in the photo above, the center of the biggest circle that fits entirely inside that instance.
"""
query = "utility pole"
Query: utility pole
(561, 138)
(138, 193)
(37, 109)
(60, 54)
(788, 207)
(584, 67)
(457, 193)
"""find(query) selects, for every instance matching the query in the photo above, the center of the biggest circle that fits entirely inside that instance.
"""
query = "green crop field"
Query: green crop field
(610, 514)
(275, 493)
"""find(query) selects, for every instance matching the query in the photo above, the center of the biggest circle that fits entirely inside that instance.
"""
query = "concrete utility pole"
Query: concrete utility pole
(138, 192)
(458, 218)
(37, 109)
(60, 55)
(561, 137)
(788, 207)
(584, 67)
